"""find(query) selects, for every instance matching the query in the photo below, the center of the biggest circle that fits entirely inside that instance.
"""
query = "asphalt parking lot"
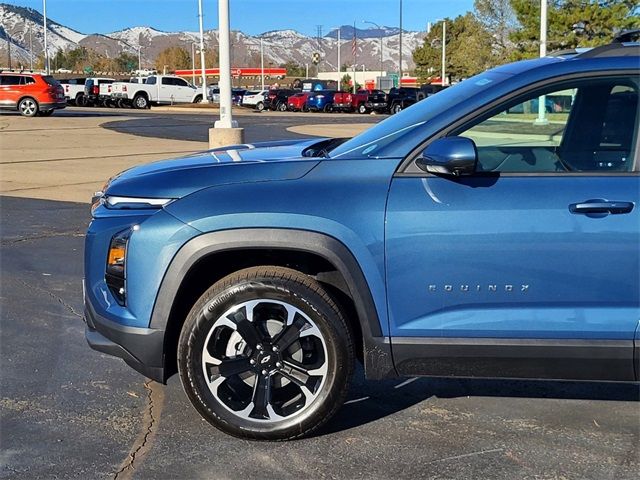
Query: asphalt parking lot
(69, 412)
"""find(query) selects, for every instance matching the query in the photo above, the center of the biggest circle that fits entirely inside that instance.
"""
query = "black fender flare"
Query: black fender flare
(377, 349)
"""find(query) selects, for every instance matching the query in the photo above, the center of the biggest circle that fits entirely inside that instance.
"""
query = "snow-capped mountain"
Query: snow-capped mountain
(280, 46)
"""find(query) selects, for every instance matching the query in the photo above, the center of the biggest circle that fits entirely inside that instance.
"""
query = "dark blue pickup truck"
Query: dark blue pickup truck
(462, 237)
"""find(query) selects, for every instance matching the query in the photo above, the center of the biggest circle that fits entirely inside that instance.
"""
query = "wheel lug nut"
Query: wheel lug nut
(259, 347)
(279, 364)
(252, 361)
(275, 348)
(264, 372)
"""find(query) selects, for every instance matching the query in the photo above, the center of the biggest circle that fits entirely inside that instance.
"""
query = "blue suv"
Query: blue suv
(470, 235)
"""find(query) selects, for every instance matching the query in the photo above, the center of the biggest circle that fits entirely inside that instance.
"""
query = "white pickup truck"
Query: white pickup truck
(156, 90)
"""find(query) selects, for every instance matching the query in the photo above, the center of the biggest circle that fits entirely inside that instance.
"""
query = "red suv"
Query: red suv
(30, 93)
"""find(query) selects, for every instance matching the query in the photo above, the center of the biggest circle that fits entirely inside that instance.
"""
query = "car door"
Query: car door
(529, 267)
(9, 90)
(184, 92)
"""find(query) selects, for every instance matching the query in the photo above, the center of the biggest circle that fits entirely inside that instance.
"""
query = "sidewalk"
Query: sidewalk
(70, 158)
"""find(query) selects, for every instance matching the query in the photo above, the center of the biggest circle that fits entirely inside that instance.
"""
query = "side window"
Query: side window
(180, 82)
(167, 81)
(578, 126)
(10, 80)
(151, 81)
(27, 80)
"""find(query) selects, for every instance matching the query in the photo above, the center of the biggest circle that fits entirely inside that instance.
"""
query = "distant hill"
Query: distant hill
(280, 46)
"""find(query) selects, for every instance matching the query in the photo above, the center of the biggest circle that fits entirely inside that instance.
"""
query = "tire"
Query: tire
(141, 102)
(240, 401)
(79, 100)
(28, 107)
(396, 108)
(282, 107)
(328, 108)
(197, 99)
(305, 108)
(122, 103)
(260, 106)
(362, 109)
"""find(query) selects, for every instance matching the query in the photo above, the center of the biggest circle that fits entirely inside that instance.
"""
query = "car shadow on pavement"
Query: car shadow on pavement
(369, 401)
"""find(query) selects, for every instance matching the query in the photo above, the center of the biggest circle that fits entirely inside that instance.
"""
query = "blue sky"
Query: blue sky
(250, 16)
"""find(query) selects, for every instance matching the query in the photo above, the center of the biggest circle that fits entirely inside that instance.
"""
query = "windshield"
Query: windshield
(371, 142)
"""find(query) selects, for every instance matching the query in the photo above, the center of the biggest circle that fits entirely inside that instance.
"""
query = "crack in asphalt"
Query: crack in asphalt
(7, 243)
(55, 297)
(142, 444)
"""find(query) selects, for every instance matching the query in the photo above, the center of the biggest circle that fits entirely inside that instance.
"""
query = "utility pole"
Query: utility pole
(139, 57)
(46, 51)
(339, 66)
(400, 61)
(262, 63)
(225, 131)
(381, 37)
(542, 120)
(204, 76)
(306, 66)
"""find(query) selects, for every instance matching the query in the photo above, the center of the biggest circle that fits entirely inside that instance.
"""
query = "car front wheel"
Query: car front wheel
(260, 106)
(265, 354)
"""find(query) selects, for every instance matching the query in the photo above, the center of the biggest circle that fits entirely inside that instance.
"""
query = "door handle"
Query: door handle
(601, 208)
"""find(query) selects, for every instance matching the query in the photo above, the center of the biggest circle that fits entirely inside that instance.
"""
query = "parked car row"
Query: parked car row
(362, 101)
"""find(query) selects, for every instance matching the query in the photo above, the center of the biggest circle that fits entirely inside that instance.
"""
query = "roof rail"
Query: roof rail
(615, 49)
(628, 36)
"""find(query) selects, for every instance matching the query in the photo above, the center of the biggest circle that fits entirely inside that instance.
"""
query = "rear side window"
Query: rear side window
(151, 81)
(587, 125)
(27, 80)
(168, 81)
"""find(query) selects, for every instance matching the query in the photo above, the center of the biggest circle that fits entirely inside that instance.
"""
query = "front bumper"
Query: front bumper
(141, 348)
(376, 105)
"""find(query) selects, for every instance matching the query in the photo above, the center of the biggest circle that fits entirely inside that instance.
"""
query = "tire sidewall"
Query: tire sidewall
(217, 301)
(35, 112)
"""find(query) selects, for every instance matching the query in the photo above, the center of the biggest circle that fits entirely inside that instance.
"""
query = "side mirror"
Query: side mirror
(455, 156)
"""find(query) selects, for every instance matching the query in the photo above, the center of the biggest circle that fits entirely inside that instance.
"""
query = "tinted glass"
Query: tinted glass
(50, 80)
(151, 81)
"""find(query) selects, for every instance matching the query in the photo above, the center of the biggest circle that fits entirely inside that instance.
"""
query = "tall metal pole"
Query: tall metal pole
(306, 65)
(262, 63)
(226, 116)
(444, 52)
(193, 63)
(139, 57)
(339, 28)
(46, 51)
(381, 45)
(202, 67)
(400, 61)
(542, 120)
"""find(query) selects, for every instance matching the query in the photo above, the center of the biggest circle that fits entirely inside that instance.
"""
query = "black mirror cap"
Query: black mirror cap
(455, 156)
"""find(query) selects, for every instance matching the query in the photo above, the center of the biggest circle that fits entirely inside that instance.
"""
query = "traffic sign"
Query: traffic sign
(315, 58)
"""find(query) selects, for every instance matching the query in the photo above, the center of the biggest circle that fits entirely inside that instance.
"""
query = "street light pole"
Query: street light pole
(139, 57)
(46, 52)
(542, 100)
(381, 45)
(225, 131)
(400, 61)
(204, 76)
(339, 28)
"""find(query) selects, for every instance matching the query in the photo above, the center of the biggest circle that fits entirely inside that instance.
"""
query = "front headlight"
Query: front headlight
(114, 202)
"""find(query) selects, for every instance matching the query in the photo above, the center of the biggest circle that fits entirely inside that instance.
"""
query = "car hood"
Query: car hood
(175, 178)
